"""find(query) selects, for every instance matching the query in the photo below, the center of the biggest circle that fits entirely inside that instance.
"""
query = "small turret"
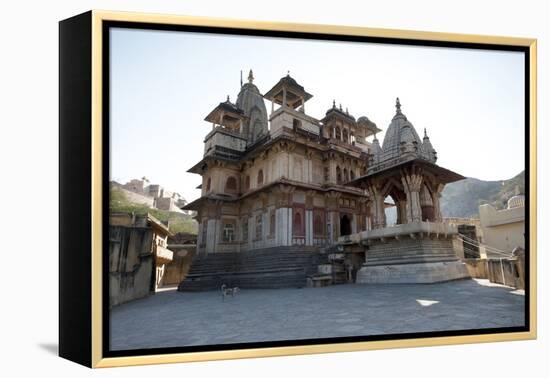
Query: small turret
(429, 151)
(375, 151)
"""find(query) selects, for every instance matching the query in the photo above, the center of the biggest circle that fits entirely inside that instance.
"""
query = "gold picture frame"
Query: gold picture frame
(90, 267)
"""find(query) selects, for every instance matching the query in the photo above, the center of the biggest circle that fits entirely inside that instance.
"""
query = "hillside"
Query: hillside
(178, 222)
(462, 198)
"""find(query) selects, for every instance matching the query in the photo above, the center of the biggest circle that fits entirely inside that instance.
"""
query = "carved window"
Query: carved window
(351, 174)
(258, 227)
(260, 177)
(204, 231)
(318, 224)
(345, 136)
(247, 183)
(245, 229)
(231, 184)
(346, 176)
(272, 223)
(296, 123)
(298, 224)
(229, 232)
(208, 182)
(338, 133)
(338, 175)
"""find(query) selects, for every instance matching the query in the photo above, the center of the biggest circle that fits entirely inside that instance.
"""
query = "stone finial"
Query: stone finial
(228, 99)
(340, 107)
(347, 110)
(425, 134)
(333, 104)
(398, 105)
(250, 77)
(288, 73)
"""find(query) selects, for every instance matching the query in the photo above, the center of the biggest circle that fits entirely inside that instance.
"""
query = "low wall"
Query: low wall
(131, 263)
(476, 267)
(505, 272)
(509, 271)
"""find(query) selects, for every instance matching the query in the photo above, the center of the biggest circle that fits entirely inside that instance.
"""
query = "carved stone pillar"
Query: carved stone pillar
(436, 196)
(377, 207)
(333, 218)
(309, 217)
(283, 214)
(401, 211)
(412, 183)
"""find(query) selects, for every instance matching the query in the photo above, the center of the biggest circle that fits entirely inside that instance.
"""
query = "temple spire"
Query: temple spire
(333, 104)
(241, 78)
(398, 105)
(250, 77)
(425, 134)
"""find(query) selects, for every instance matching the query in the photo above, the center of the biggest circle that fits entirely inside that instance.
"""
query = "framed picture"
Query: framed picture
(233, 189)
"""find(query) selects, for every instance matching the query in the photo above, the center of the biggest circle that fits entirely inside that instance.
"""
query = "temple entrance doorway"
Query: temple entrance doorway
(345, 225)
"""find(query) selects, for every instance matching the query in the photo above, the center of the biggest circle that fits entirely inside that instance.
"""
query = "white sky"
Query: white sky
(165, 83)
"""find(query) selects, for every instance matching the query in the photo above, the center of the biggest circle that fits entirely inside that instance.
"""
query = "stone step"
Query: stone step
(409, 261)
(274, 279)
(268, 268)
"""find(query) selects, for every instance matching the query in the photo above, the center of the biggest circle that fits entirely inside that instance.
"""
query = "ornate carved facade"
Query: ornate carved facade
(284, 184)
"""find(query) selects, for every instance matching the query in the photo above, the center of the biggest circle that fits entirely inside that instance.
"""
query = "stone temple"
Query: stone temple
(278, 190)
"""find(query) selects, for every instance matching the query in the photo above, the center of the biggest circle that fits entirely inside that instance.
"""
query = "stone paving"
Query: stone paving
(172, 318)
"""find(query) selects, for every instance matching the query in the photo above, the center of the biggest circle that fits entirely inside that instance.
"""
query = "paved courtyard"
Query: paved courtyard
(171, 318)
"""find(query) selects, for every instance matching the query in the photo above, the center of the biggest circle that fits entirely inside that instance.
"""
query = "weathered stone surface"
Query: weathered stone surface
(131, 263)
(419, 252)
(413, 273)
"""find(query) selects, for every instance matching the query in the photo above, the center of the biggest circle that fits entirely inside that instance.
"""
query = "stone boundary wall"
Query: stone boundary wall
(131, 263)
(509, 272)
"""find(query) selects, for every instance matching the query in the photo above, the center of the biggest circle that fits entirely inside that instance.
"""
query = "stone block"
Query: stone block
(412, 273)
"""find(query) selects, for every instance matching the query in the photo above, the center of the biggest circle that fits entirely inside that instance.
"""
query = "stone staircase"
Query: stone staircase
(269, 268)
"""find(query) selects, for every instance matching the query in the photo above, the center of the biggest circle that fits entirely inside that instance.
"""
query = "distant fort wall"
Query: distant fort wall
(153, 196)
(137, 198)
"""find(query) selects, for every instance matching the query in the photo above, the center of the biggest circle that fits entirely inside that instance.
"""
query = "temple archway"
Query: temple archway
(390, 211)
(345, 225)
(426, 204)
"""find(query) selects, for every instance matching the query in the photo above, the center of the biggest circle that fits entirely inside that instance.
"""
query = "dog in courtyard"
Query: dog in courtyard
(227, 291)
